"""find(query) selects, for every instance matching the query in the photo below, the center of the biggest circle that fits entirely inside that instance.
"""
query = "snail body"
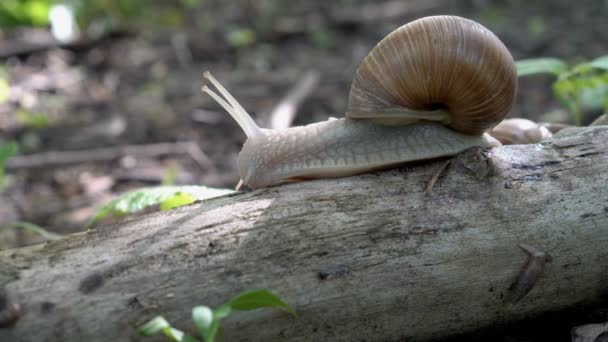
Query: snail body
(520, 131)
(429, 89)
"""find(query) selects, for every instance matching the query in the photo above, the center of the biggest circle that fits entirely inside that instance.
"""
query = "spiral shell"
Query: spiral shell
(439, 63)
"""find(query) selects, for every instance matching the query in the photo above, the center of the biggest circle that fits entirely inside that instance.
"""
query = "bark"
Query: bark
(369, 258)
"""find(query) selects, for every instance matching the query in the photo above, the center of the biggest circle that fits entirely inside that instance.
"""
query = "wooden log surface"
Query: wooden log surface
(370, 257)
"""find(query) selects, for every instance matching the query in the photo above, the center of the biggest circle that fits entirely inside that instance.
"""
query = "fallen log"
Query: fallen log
(370, 257)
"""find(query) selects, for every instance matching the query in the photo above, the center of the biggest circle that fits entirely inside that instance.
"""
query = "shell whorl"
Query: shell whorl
(438, 63)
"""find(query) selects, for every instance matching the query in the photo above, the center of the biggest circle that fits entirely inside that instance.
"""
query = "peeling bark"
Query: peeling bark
(369, 258)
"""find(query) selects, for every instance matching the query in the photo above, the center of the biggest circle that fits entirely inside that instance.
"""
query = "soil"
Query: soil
(142, 86)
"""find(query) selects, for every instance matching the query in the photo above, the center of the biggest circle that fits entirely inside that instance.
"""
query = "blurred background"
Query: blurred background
(98, 97)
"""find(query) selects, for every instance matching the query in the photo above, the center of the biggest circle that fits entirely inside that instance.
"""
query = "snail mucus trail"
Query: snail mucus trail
(431, 88)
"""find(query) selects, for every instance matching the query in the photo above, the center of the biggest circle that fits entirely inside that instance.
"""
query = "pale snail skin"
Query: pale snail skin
(520, 131)
(431, 88)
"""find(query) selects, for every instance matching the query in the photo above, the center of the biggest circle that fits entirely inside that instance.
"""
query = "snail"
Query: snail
(431, 88)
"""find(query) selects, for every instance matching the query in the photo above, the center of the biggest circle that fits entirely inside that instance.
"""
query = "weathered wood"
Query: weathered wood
(362, 258)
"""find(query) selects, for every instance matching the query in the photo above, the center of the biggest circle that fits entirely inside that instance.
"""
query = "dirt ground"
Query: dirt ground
(131, 102)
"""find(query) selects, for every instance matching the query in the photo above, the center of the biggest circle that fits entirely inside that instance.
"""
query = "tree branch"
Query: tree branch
(369, 258)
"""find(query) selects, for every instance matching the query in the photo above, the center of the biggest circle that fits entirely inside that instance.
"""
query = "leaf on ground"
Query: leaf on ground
(166, 196)
(154, 326)
(177, 200)
(256, 299)
(600, 63)
(7, 150)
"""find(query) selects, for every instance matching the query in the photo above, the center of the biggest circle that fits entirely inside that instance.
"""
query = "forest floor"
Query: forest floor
(131, 102)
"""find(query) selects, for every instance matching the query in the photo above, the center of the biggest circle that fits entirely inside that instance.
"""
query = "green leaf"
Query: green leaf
(7, 150)
(178, 200)
(256, 299)
(240, 37)
(534, 66)
(160, 324)
(137, 200)
(32, 120)
(208, 321)
(600, 63)
(174, 334)
(38, 11)
(203, 319)
(189, 338)
(154, 326)
(222, 312)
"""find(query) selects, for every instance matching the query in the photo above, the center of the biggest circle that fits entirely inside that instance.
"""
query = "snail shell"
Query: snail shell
(439, 63)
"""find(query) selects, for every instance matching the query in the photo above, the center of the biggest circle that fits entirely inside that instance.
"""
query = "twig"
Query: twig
(83, 156)
(179, 41)
(284, 113)
(18, 48)
(436, 174)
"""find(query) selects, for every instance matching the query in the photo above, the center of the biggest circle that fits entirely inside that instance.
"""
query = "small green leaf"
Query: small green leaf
(208, 321)
(222, 312)
(178, 200)
(7, 150)
(256, 299)
(241, 37)
(189, 338)
(600, 63)
(160, 324)
(582, 69)
(137, 200)
(174, 334)
(203, 319)
(534, 66)
(32, 120)
(154, 326)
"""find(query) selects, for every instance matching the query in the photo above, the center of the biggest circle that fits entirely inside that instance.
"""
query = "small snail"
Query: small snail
(431, 88)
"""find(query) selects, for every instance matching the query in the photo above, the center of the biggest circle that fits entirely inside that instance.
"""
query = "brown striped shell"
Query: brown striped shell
(435, 63)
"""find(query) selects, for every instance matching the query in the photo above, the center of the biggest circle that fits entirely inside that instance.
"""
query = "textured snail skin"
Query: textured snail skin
(520, 131)
(345, 147)
(443, 63)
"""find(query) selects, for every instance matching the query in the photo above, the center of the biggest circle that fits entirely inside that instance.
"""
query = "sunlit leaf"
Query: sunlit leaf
(174, 334)
(203, 318)
(159, 324)
(256, 299)
(534, 66)
(4, 90)
(37, 11)
(208, 321)
(139, 199)
(154, 326)
(600, 63)
(177, 200)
